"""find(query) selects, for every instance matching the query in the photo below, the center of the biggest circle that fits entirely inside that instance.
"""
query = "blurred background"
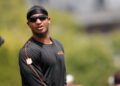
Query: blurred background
(88, 29)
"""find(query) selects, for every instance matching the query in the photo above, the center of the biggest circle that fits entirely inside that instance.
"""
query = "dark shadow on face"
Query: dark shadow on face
(41, 35)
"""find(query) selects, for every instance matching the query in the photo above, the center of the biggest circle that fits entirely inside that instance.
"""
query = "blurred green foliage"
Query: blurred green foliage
(89, 57)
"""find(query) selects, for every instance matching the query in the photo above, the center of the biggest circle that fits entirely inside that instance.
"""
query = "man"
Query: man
(41, 59)
(1, 40)
(117, 79)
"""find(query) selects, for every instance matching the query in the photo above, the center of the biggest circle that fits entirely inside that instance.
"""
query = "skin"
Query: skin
(40, 27)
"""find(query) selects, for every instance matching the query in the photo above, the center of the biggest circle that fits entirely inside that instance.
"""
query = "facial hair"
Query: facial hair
(41, 35)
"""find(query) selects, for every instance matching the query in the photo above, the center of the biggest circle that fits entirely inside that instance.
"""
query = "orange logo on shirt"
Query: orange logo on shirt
(60, 53)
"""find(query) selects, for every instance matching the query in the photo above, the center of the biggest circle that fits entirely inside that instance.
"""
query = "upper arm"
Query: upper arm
(27, 74)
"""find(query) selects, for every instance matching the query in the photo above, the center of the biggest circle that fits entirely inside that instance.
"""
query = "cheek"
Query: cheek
(31, 26)
(46, 24)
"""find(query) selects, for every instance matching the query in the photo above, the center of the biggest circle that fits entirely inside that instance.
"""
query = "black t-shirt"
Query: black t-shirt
(47, 61)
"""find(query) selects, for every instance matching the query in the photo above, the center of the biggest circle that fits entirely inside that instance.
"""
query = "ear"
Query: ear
(28, 23)
(48, 20)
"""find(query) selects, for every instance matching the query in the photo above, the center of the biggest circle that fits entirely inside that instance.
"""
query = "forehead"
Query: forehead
(36, 15)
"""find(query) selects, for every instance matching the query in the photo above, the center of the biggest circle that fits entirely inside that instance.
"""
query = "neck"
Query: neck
(44, 40)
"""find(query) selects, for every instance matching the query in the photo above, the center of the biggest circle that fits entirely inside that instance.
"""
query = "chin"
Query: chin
(41, 34)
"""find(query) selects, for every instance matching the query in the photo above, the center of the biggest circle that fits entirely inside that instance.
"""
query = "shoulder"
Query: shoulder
(57, 41)
(29, 48)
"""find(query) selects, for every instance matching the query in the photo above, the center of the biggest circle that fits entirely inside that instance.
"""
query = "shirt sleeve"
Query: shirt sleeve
(29, 77)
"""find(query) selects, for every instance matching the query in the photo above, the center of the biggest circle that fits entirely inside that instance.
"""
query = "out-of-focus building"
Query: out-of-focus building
(103, 15)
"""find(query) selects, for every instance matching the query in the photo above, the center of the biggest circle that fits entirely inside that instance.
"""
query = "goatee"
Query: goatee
(41, 35)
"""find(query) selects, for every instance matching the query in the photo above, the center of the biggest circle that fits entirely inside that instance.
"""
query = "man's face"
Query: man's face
(38, 23)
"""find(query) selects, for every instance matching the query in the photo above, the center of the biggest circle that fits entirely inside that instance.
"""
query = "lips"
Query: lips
(40, 27)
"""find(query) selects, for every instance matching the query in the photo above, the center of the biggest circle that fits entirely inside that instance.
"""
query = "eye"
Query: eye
(33, 19)
(42, 18)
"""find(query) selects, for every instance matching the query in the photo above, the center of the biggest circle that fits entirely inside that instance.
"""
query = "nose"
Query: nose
(38, 21)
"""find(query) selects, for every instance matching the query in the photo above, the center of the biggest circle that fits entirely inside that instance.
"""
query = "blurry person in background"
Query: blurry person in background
(117, 79)
(1, 40)
(41, 59)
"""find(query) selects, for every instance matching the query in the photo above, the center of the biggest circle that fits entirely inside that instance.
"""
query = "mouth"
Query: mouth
(40, 27)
